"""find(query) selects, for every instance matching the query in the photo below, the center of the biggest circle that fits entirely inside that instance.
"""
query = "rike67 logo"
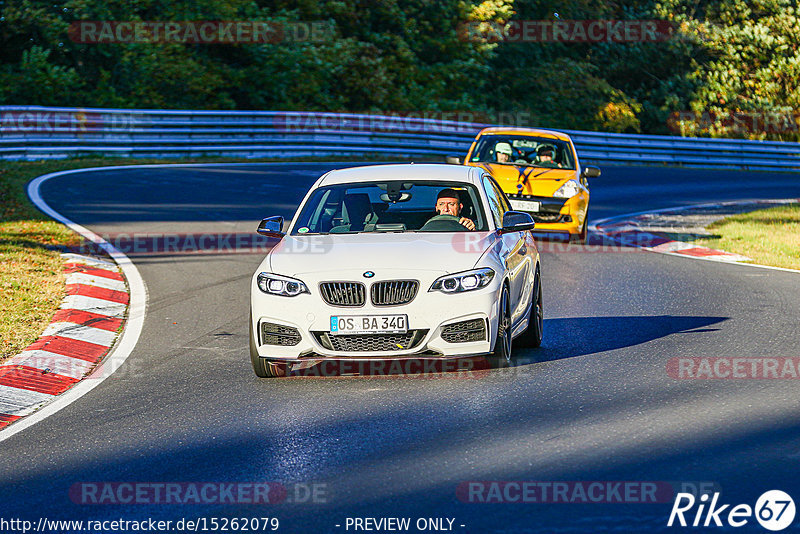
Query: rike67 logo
(774, 510)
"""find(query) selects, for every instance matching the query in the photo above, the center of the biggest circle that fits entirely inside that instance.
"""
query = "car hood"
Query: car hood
(542, 181)
(339, 253)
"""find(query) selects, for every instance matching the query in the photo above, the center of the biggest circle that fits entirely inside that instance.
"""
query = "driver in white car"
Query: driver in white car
(449, 203)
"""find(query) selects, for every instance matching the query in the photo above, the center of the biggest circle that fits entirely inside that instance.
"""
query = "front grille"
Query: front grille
(393, 292)
(370, 342)
(343, 293)
(545, 217)
(278, 334)
(465, 331)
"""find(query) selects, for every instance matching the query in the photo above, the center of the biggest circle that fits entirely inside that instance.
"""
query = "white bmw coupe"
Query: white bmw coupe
(396, 262)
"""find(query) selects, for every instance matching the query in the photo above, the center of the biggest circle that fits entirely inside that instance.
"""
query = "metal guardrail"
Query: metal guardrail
(32, 133)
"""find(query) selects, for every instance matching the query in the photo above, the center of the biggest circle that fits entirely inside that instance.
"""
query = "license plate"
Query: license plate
(525, 205)
(369, 324)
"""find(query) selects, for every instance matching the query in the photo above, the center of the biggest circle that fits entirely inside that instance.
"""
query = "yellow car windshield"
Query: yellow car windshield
(524, 150)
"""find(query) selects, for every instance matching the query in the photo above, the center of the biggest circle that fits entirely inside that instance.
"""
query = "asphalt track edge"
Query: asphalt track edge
(131, 330)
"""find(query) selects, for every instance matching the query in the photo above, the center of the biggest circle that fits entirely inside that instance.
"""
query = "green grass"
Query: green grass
(769, 237)
(31, 277)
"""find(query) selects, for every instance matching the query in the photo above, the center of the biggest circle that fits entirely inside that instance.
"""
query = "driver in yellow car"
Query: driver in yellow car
(545, 155)
(449, 203)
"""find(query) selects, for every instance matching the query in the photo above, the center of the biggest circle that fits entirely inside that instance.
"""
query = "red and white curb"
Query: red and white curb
(627, 231)
(80, 334)
(99, 322)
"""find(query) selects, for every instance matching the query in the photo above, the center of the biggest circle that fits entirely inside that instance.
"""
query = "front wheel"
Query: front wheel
(501, 355)
(262, 366)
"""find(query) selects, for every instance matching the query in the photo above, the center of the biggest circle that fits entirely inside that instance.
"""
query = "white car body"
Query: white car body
(316, 259)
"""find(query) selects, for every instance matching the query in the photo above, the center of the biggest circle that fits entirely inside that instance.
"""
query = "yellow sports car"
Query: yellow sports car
(540, 173)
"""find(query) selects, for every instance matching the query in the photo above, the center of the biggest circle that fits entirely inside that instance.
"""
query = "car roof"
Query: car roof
(407, 171)
(502, 130)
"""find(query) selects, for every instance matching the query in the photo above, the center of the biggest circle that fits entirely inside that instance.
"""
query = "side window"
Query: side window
(568, 159)
(501, 197)
(495, 203)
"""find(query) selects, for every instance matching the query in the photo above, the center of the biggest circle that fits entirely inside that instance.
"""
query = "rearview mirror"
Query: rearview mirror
(517, 221)
(591, 172)
(271, 227)
(397, 197)
(453, 160)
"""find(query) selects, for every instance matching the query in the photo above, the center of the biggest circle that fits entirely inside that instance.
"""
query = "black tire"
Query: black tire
(501, 355)
(532, 337)
(262, 366)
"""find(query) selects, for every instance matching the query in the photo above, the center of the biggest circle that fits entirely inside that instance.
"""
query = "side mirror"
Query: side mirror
(453, 160)
(590, 172)
(517, 221)
(271, 227)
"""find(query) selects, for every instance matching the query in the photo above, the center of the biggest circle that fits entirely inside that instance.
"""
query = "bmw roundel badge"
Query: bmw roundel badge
(369, 274)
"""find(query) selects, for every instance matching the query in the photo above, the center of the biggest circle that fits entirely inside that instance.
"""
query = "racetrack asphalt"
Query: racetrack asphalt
(595, 403)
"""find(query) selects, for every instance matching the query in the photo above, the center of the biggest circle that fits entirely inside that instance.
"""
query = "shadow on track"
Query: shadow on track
(579, 336)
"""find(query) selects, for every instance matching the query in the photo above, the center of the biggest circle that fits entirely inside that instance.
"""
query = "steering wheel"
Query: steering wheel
(443, 223)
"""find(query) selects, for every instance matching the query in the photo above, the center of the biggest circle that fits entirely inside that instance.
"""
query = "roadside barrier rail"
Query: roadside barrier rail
(34, 133)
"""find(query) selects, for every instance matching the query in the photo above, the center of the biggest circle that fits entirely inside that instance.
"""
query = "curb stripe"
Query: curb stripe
(672, 246)
(70, 268)
(69, 347)
(77, 258)
(95, 281)
(98, 293)
(80, 333)
(87, 318)
(93, 305)
(702, 252)
(55, 363)
(6, 419)
(33, 379)
(21, 402)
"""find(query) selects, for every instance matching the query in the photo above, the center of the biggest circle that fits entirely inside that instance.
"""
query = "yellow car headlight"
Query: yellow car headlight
(568, 190)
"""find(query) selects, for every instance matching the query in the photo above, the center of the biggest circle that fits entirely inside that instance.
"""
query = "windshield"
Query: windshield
(387, 207)
(524, 150)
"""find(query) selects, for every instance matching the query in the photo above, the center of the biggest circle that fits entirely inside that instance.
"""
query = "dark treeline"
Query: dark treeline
(727, 69)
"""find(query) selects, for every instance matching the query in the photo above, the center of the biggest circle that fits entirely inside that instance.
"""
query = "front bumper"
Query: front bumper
(555, 214)
(302, 326)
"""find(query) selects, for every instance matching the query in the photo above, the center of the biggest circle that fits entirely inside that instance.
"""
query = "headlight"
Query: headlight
(568, 190)
(275, 284)
(466, 281)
